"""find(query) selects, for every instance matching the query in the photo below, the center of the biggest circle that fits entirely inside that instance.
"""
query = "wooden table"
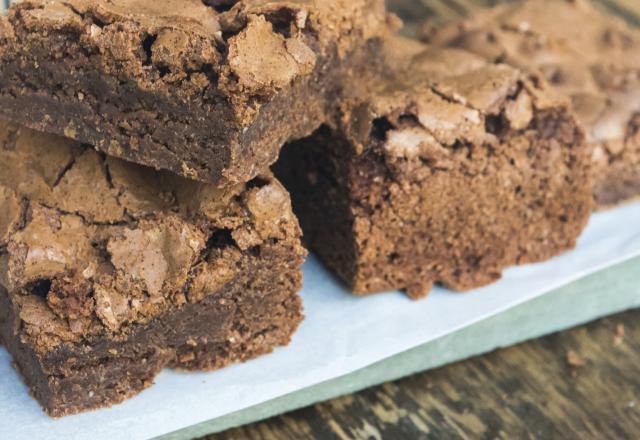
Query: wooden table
(583, 383)
(579, 384)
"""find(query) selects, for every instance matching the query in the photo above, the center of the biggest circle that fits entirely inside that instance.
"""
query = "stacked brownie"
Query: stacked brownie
(112, 271)
(208, 89)
(587, 55)
(172, 245)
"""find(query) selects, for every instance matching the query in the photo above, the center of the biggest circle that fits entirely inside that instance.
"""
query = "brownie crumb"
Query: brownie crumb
(618, 338)
(575, 360)
(70, 296)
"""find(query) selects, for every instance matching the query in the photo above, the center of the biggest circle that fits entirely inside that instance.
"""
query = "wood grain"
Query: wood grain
(579, 384)
(527, 391)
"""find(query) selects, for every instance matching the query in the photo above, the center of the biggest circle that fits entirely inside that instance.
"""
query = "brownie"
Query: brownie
(207, 89)
(443, 169)
(588, 55)
(111, 271)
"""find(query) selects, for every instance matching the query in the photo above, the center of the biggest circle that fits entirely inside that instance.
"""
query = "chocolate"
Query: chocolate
(443, 168)
(110, 271)
(197, 88)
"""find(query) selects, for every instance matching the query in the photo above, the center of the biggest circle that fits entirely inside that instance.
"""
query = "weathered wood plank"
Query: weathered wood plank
(527, 391)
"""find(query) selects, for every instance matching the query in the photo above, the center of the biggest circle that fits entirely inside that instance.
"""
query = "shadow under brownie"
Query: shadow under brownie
(208, 90)
(445, 168)
(585, 54)
(110, 271)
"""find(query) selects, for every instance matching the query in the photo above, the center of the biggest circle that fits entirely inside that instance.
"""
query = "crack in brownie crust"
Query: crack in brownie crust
(590, 56)
(448, 170)
(110, 271)
(196, 87)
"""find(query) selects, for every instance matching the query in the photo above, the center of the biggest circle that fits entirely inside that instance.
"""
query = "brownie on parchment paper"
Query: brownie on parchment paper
(442, 169)
(207, 89)
(588, 55)
(110, 271)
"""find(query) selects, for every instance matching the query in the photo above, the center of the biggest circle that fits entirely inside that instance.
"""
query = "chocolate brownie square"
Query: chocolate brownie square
(207, 89)
(443, 169)
(588, 55)
(111, 271)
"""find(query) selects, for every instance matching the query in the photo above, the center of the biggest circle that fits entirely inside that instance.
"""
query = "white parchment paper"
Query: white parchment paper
(341, 334)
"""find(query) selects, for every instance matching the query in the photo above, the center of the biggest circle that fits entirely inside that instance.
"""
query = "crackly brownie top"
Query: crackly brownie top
(90, 245)
(245, 49)
(430, 99)
(588, 55)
